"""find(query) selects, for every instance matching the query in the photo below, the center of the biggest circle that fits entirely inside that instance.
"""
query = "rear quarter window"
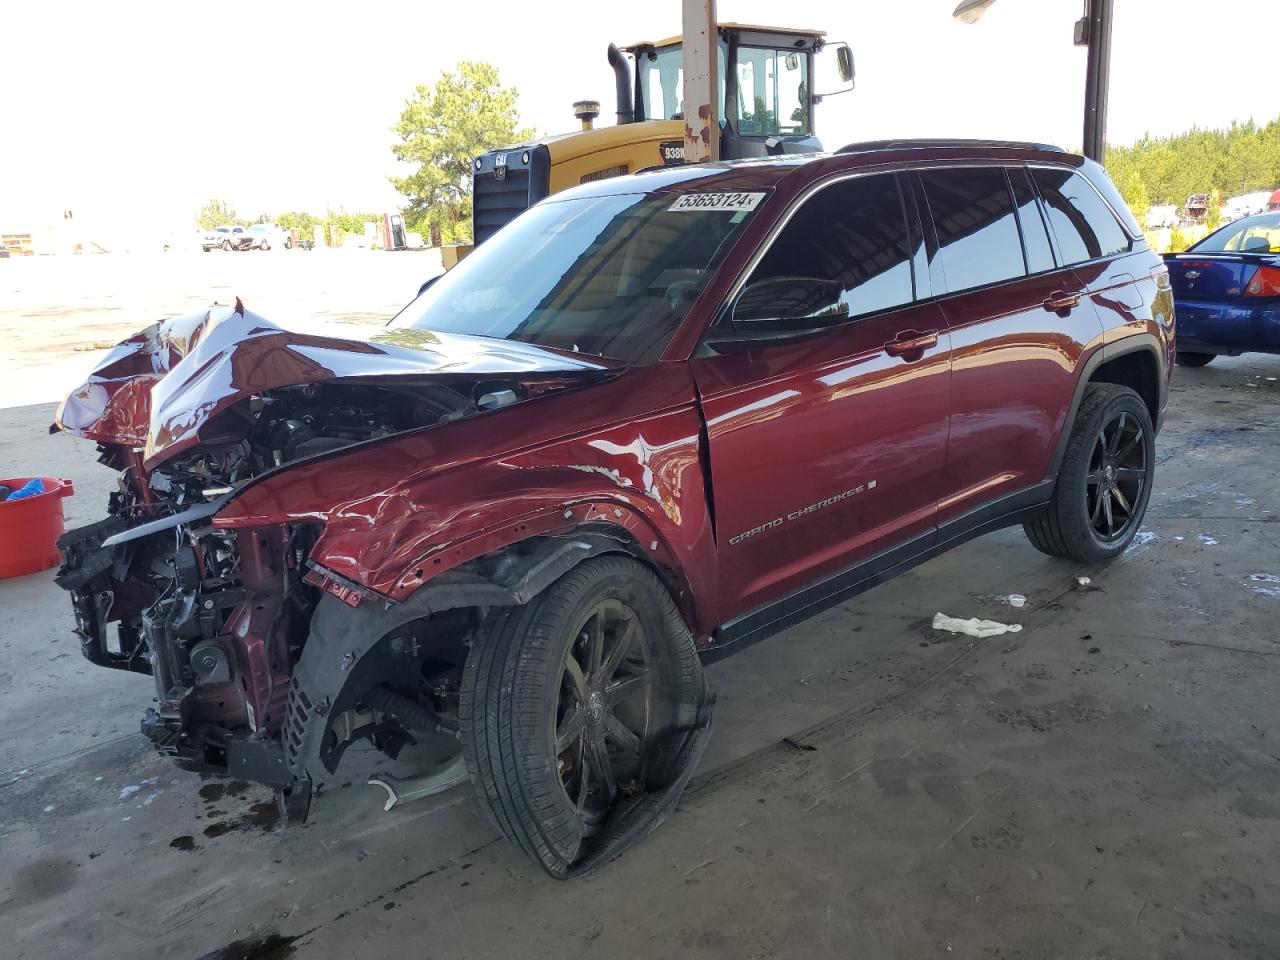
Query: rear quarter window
(973, 213)
(1082, 223)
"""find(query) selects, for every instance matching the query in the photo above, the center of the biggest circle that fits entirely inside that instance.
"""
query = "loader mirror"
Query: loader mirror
(844, 63)
(787, 306)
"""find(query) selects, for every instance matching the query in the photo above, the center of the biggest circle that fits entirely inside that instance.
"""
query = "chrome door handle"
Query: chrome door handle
(1060, 300)
(911, 342)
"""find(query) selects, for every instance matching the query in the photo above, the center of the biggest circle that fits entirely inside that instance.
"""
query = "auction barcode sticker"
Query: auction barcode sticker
(717, 201)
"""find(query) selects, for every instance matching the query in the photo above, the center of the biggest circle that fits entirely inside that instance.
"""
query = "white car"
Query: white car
(264, 236)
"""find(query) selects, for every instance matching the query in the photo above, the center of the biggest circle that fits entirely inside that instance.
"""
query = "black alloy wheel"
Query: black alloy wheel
(575, 712)
(605, 711)
(1117, 477)
(1104, 479)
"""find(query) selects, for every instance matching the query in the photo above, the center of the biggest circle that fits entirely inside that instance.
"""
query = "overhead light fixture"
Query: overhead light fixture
(971, 11)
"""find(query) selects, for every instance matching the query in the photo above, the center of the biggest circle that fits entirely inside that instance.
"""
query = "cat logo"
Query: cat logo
(500, 167)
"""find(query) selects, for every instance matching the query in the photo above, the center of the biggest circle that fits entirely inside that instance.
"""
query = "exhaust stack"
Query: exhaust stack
(622, 81)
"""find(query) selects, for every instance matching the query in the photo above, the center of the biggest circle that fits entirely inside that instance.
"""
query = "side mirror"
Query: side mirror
(844, 63)
(787, 306)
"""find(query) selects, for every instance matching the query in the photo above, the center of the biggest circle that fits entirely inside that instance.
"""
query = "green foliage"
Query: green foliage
(301, 221)
(217, 213)
(442, 130)
(1178, 241)
(1158, 170)
(1213, 214)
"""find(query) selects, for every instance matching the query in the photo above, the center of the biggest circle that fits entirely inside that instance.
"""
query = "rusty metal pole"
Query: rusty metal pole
(701, 81)
(1094, 31)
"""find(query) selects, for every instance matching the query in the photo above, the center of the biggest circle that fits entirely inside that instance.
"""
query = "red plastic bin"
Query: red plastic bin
(29, 528)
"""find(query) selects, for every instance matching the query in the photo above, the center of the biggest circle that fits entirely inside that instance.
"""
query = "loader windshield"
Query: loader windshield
(770, 90)
(611, 276)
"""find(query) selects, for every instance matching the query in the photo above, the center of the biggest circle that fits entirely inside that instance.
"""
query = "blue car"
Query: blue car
(1226, 291)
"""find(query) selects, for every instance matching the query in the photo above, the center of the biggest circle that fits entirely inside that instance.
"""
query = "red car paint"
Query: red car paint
(743, 475)
(975, 416)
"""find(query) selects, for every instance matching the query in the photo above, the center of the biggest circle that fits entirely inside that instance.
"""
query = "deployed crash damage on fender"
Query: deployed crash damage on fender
(193, 410)
(328, 538)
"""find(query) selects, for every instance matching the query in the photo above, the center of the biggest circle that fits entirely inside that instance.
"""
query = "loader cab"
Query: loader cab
(766, 93)
(766, 101)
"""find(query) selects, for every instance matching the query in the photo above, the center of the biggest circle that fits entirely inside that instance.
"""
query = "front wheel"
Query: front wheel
(1104, 482)
(264, 245)
(1184, 358)
(578, 705)
(226, 245)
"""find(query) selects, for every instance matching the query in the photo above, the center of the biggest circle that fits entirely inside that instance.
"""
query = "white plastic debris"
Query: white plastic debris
(1141, 540)
(1083, 581)
(973, 627)
(1207, 540)
(1013, 599)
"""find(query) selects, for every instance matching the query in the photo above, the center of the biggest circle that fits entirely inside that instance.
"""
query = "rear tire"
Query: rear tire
(1184, 358)
(1104, 482)
(567, 704)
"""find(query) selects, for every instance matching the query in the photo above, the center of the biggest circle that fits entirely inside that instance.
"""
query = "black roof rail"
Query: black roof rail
(869, 146)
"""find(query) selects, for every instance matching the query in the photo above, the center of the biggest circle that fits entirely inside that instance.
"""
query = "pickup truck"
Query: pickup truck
(226, 238)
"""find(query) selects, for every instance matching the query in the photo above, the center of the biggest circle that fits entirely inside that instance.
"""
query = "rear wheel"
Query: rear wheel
(1184, 358)
(1104, 482)
(569, 705)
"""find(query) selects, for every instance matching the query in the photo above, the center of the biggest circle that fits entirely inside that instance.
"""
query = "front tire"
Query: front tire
(570, 704)
(1185, 358)
(1104, 482)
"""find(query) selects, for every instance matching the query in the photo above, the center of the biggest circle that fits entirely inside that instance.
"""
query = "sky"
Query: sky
(145, 110)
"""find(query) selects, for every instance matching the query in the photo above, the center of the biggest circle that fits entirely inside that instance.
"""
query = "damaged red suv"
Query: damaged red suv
(653, 417)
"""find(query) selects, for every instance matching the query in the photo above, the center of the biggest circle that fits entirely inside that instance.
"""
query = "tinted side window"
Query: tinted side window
(854, 233)
(1083, 225)
(1035, 239)
(972, 211)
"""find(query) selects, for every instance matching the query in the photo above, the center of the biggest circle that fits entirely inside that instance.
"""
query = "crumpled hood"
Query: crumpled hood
(159, 387)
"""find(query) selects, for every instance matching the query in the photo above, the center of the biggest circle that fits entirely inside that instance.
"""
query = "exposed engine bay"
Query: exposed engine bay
(219, 618)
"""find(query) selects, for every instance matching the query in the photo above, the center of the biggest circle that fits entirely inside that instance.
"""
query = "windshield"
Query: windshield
(773, 91)
(608, 276)
(772, 88)
(662, 80)
(1253, 235)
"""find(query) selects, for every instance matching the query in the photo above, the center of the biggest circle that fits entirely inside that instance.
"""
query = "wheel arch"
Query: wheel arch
(1133, 362)
(347, 624)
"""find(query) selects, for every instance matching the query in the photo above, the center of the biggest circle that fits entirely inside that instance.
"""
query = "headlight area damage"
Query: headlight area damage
(268, 666)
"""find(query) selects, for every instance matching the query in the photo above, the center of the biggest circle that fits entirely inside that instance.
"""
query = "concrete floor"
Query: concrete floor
(1101, 785)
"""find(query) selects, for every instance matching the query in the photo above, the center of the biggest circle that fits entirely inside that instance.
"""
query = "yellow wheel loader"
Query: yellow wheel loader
(766, 103)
